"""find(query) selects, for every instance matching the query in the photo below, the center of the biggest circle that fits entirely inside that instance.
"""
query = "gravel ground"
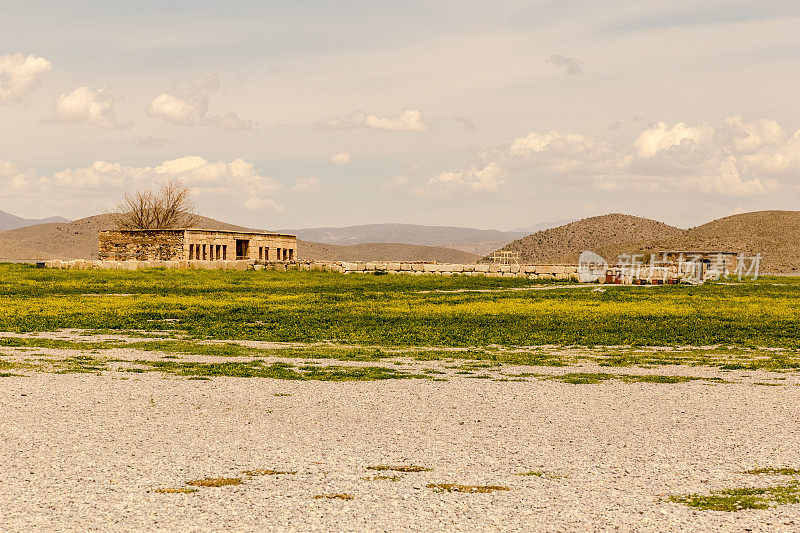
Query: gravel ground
(86, 452)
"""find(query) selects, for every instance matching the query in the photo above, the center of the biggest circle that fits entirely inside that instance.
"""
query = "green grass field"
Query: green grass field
(395, 310)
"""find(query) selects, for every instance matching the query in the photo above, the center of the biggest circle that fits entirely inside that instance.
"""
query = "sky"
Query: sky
(503, 114)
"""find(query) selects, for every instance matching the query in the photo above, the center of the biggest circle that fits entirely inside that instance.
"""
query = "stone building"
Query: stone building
(196, 244)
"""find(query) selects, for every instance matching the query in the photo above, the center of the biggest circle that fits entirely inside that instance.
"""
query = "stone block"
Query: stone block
(482, 267)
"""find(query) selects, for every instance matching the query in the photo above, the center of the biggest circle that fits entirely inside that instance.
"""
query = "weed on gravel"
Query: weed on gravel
(267, 472)
(215, 482)
(588, 378)
(780, 471)
(471, 489)
(400, 468)
(742, 498)
(279, 370)
(382, 478)
(176, 491)
(541, 473)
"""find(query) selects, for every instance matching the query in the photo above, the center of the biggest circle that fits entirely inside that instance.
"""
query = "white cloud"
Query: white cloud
(87, 105)
(20, 74)
(232, 183)
(342, 158)
(572, 65)
(737, 158)
(13, 179)
(679, 137)
(187, 104)
(750, 136)
(728, 180)
(306, 185)
(234, 176)
(409, 120)
(173, 109)
(478, 179)
(100, 174)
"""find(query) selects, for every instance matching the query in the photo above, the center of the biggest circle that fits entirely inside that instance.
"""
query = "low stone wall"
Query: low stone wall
(448, 269)
(394, 268)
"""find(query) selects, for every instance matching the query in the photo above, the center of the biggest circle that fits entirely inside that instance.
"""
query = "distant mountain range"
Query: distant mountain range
(9, 221)
(471, 240)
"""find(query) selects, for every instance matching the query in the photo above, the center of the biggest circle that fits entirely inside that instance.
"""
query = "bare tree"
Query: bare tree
(169, 207)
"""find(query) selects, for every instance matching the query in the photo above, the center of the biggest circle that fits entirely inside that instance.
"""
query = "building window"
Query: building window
(205, 252)
(291, 254)
(218, 249)
(279, 254)
(260, 253)
(224, 252)
(266, 253)
(191, 251)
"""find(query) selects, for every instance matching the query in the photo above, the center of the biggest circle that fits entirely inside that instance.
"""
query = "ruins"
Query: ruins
(190, 244)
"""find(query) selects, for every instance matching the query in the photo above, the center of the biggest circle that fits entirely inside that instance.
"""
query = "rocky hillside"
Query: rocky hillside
(608, 235)
(774, 234)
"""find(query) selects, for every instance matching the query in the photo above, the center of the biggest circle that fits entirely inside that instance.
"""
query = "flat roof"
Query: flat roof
(203, 230)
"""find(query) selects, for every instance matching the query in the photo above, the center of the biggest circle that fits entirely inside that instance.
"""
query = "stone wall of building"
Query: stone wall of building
(260, 246)
(195, 245)
(162, 245)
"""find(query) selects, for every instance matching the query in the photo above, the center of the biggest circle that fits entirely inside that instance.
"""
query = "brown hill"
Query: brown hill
(78, 240)
(382, 252)
(773, 234)
(607, 235)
